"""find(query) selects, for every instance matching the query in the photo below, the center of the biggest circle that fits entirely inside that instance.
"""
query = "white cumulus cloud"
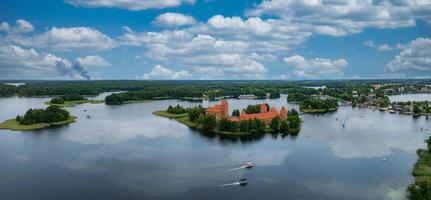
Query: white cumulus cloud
(93, 60)
(384, 47)
(16, 62)
(21, 26)
(69, 39)
(130, 4)
(341, 17)
(315, 67)
(413, 58)
(160, 72)
(174, 20)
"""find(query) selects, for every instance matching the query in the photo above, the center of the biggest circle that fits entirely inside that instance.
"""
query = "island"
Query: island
(216, 119)
(35, 119)
(317, 105)
(421, 188)
(70, 100)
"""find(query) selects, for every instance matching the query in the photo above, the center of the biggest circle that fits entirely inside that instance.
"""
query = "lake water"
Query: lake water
(410, 97)
(125, 152)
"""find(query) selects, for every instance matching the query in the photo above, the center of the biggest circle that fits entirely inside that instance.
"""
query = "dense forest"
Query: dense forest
(196, 91)
(7, 90)
(50, 114)
(67, 97)
(318, 105)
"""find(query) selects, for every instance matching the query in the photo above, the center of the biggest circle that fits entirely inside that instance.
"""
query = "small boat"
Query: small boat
(248, 165)
(243, 181)
(384, 159)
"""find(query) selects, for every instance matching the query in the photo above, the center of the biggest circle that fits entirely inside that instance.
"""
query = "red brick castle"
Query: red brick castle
(222, 111)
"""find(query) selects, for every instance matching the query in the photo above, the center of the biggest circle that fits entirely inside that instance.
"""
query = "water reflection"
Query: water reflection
(126, 152)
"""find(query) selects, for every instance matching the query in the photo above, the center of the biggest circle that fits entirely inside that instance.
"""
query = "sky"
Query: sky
(215, 39)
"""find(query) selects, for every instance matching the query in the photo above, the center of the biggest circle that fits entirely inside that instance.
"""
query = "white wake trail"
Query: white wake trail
(228, 184)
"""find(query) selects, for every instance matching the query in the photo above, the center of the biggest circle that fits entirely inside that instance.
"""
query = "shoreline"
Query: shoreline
(184, 119)
(13, 125)
(321, 111)
(421, 172)
(74, 103)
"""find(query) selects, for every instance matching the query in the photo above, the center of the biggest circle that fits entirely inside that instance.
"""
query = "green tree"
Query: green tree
(244, 126)
(224, 125)
(259, 125)
(57, 100)
(275, 123)
(50, 114)
(208, 123)
(283, 126)
(176, 110)
(234, 127)
(294, 122)
(416, 109)
(293, 112)
(195, 112)
(235, 113)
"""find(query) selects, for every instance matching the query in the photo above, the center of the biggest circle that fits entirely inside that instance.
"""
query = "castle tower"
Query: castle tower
(263, 108)
(283, 113)
(224, 108)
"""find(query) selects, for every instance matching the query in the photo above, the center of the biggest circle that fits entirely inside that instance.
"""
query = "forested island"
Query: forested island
(421, 188)
(71, 100)
(315, 105)
(38, 119)
(195, 118)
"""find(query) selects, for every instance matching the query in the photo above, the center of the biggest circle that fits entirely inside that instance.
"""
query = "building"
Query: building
(221, 111)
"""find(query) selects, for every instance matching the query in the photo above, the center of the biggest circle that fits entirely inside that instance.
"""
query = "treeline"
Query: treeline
(316, 104)
(299, 94)
(421, 188)
(211, 88)
(7, 90)
(419, 107)
(193, 112)
(336, 88)
(50, 114)
(67, 97)
(181, 91)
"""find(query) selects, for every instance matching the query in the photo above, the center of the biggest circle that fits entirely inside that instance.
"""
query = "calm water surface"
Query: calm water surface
(410, 97)
(125, 152)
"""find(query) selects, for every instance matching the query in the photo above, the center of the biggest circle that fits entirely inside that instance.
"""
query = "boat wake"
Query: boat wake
(236, 168)
(229, 184)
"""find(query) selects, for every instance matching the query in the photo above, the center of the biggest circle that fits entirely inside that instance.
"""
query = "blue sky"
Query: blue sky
(215, 39)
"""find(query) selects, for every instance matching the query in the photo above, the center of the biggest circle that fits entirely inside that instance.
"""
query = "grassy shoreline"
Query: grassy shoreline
(318, 110)
(73, 103)
(421, 188)
(12, 124)
(184, 119)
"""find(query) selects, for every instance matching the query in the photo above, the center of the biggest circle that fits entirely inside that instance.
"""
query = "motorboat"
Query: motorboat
(248, 165)
(243, 181)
